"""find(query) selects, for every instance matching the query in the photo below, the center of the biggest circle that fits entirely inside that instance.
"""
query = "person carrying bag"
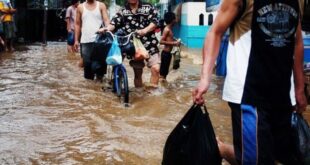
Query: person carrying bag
(192, 141)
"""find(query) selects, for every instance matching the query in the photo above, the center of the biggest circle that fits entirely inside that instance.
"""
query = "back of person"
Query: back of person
(265, 54)
(92, 21)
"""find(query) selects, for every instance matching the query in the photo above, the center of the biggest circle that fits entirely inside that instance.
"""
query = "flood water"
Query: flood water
(50, 114)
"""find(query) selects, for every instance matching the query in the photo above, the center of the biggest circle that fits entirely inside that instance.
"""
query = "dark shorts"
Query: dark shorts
(165, 63)
(262, 135)
(9, 30)
(70, 38)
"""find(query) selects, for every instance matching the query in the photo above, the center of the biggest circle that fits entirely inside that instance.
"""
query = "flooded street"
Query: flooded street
(50, 114)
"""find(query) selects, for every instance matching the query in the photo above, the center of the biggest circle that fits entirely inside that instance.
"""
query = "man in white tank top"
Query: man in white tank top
(90, 16)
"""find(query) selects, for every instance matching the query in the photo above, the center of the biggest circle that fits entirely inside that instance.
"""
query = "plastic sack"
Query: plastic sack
(141, 52)
(221, 67)
(103, 43)
(301, 135)
(127, 48)
(176, 52)
(114, 56)
(192, 141)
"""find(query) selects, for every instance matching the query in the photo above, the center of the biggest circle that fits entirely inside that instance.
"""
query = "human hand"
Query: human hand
(76, 46)
(199, 91)
(141, 32)
(102, 30)
(13, 10)
(177, 43)
(301, 101)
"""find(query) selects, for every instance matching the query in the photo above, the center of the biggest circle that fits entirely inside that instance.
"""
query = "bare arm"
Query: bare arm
(104, 14)
(8, 11)
(151, 27)
(298, 72)
(226, 15)
(78, 23)
(68, 25)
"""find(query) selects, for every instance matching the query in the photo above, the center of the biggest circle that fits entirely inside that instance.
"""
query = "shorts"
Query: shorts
(70, 38)
(153, 60)
(9, 30)
(165, 63)
(262, 135)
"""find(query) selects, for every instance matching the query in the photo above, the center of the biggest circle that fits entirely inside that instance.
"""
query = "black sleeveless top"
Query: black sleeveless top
(268, 78)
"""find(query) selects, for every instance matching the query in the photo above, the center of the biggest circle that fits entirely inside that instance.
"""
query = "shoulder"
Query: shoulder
(233, 3)
(80, 7)
(69, 8)
(167, 30)
(102, 5)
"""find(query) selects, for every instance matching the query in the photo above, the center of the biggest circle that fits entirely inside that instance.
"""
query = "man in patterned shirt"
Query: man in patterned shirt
(142, 18)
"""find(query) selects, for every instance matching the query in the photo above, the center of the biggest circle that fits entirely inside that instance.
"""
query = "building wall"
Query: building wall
(191, 30)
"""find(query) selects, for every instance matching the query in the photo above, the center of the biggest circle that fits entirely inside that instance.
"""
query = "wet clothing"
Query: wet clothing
(71, 14)
(130, 22)
(70, 38)
(260, 54)
(9, 30)
(262, 134)
(165, 63)
(91, 23)
(92, 65)
(259, 81)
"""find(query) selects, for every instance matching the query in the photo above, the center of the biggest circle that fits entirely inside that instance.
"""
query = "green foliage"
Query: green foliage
(107, 2)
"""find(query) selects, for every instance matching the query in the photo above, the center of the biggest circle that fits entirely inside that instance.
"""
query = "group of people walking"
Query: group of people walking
(91, 17)
(264, 82)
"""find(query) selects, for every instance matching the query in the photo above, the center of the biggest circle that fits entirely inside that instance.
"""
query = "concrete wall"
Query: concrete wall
(190, 29)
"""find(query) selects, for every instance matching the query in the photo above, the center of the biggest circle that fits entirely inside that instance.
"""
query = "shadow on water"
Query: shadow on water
(50, 114)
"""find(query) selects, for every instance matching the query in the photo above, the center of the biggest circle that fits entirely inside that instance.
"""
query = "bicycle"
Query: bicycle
(119, 77)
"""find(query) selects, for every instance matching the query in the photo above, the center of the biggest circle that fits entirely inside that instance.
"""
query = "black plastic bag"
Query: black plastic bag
(127, 49)
(301, 135)
(192, 141)
(102, 46)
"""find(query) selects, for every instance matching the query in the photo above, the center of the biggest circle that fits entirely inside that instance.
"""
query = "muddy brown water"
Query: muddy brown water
(50, 114)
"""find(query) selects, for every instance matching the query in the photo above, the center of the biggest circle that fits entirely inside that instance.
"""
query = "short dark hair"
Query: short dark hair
(74, 2)
(169, 17)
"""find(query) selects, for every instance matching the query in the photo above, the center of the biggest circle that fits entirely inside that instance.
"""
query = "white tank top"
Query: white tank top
(91, 22)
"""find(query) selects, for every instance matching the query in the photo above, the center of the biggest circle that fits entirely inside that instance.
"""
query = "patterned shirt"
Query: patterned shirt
(130, 22)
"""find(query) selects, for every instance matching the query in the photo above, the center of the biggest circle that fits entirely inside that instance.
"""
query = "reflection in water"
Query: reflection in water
(50, 115)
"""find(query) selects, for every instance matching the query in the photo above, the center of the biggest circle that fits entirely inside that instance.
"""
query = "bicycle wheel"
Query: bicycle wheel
(122, 84)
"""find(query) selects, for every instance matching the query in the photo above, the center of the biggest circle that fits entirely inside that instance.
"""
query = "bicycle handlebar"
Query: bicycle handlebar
(126, 36)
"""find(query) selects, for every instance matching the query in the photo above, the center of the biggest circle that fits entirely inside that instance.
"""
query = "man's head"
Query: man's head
(75, 2)
(132, 1)
(169, 18)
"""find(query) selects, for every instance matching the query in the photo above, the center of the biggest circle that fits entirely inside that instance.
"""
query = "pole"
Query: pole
(44, 42)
